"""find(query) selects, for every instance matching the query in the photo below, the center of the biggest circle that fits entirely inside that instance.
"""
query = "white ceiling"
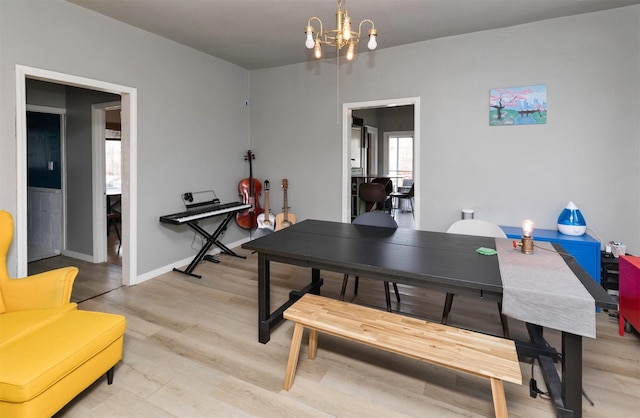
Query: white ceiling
(270, 33)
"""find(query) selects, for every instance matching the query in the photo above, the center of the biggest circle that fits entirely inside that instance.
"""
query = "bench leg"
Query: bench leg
(313, 344)
(499, 400)
(293, 356)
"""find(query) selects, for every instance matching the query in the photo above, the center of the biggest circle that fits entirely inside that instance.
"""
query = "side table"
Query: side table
(629, 288)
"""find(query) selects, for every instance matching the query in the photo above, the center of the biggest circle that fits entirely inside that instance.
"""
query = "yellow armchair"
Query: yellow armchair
(49, 350)
(51, 289)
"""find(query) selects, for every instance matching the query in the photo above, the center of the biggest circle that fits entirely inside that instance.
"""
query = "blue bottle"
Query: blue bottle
(571, 221)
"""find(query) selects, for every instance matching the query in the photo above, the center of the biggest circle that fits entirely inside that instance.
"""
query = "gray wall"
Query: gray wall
(193, 125)
(79, 167)
(588, 152)
(194, 129)
(41, 93)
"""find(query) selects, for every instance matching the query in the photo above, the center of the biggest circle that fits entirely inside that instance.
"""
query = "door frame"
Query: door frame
(373, 155)
(129, 101)
(347, 109)
(98, 138)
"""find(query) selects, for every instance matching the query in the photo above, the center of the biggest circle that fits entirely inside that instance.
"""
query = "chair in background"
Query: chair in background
(479, 228)
(372, 194)
(114, 218)
(398, 197)
(383, 220)
(385, 206)
(476, 227)
(406, 185)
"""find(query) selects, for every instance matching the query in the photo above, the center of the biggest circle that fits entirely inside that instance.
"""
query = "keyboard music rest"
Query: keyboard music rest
(191, 218)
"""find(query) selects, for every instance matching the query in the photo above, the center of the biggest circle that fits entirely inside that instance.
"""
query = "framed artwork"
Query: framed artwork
(525, 105)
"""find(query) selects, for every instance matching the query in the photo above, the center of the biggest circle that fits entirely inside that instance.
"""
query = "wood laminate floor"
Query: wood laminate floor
(93, 279)
(191, 350)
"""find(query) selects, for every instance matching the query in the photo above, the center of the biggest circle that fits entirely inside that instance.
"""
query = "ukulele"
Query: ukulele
(286, 218)
(249, 189)
(266, 220)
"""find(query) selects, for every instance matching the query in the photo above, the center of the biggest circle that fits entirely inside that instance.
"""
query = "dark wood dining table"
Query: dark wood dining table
(427, 259)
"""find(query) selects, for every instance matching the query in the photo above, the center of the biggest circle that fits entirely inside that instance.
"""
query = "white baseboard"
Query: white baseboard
(169, 267)
(84, 257)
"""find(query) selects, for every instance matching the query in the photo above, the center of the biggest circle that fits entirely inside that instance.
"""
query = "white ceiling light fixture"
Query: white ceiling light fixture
(339, 37)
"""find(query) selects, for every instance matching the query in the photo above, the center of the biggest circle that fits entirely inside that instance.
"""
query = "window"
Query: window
(113, 164)
(400, 156)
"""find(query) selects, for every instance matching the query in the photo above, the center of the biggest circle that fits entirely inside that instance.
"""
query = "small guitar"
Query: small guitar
(266, 220)
(286, 218)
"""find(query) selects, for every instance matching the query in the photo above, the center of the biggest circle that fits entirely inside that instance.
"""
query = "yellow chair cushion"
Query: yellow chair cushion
(14, 325)
(36, 360)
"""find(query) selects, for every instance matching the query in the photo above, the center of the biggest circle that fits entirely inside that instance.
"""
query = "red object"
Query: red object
(249, 189)
(629, 289)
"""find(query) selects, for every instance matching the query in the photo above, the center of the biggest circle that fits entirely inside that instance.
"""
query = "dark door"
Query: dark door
(43, 150)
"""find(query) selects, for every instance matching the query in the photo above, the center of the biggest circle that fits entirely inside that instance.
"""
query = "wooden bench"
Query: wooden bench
(466, 351)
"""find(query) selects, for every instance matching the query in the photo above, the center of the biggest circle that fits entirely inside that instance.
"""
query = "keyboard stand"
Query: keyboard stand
(211, 239)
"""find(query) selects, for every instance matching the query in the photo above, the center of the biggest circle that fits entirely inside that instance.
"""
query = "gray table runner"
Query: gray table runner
(540, 288)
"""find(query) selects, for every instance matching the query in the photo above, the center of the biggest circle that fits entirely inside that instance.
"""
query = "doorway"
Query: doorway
(113, 181)
(45, 162)
(106, 125)
(129, 180)
(347, 117)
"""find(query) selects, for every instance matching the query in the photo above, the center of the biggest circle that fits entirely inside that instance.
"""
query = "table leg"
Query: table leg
(266, 318)
(264, 299)
(316, 281)
(572, 372)
(538, 348)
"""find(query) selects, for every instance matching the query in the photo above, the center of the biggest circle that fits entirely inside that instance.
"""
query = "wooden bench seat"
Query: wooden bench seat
(466, 351)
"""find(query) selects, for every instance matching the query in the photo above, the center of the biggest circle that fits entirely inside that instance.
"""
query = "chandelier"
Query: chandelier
(339, 37)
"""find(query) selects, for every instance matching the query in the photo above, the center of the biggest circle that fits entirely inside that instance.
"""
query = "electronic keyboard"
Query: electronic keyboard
(203, 212)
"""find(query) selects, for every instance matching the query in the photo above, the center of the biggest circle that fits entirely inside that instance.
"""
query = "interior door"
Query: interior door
(44, 185)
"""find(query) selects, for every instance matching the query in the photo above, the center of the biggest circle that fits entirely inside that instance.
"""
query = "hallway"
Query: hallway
(93, 279)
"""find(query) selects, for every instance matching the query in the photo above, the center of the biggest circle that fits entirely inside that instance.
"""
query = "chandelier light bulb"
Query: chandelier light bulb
(346, 33)
(309, 42)
(350, 51)
(373, 39)
(317, 51)
(373, 44)
(527, 227)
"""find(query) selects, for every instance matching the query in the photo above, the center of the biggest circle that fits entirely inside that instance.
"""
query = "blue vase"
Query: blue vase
(571, 221)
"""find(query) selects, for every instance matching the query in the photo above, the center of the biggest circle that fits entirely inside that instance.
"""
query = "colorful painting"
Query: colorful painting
(518, 105)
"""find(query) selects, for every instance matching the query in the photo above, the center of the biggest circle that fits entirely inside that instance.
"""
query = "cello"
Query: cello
(249, 189)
